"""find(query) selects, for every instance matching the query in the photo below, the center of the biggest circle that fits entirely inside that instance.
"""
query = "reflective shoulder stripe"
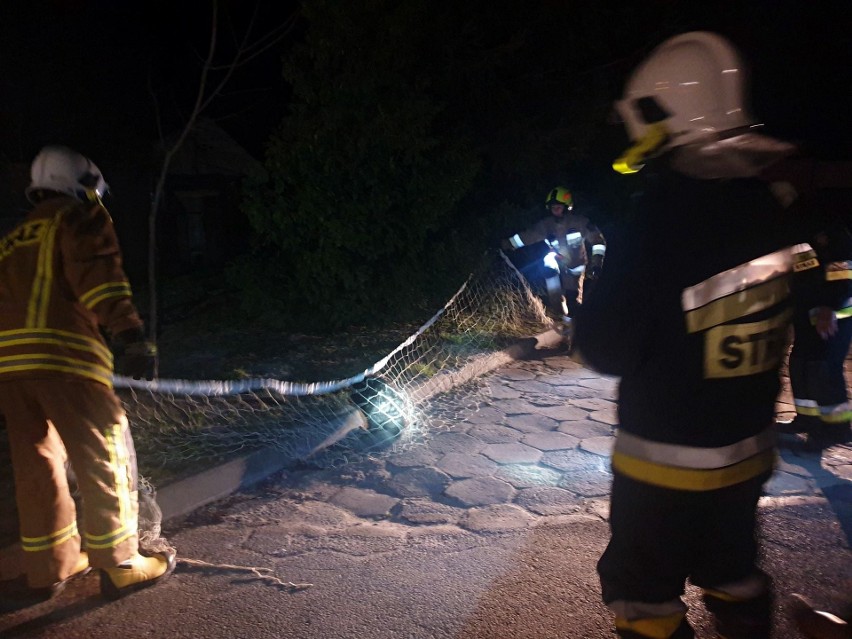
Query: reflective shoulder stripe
(516, 241)
(599, 249)
(838, 271)
(738, 278)
(740, 304)
(692, 456)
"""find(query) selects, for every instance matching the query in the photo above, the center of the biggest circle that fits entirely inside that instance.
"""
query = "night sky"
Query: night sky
(83, 72)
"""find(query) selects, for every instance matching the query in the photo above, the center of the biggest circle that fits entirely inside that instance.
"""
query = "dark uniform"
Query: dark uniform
(823, 280)
(698, 354)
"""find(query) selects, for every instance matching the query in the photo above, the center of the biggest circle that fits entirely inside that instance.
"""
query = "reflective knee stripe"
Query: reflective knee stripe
(690, 467)
(574, 239)
(516, 241)
(599, 249)
(120, 463)
(834, 414)
(750, 587)
(35, 544)
(652, 627)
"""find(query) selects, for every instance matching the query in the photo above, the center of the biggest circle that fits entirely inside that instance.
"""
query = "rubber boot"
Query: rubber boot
(16, 594)
(140, 571)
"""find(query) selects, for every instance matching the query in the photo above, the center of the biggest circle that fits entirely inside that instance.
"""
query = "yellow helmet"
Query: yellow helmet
(560, 195)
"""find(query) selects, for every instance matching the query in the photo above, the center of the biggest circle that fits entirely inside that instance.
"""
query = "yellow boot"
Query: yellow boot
(140, 571)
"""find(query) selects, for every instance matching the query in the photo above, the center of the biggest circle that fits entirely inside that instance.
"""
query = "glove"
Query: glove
(138, 357)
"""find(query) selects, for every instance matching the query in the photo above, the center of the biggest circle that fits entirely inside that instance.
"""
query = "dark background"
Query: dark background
(110, 78)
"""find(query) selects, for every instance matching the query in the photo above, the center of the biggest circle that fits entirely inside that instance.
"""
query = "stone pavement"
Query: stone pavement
(528, 441)
(487, 524)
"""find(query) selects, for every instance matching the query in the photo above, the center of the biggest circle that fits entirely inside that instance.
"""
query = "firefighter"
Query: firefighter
(698, 353)
(61, 282)
(569, 268)
(822, 323)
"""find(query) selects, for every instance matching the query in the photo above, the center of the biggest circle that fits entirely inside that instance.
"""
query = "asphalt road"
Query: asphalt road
(489, 528)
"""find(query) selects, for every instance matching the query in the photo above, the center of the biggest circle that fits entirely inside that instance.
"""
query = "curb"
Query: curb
(186, 495)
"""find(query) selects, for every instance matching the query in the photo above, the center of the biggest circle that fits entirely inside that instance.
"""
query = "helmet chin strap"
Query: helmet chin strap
(633, 159)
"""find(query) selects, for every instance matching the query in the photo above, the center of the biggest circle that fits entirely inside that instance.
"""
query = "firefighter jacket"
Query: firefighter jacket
(823, 273)
(568, 236)
(61, 280)
(692, 312)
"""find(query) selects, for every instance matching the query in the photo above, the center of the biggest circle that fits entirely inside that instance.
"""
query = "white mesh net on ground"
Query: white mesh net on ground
(180, 422)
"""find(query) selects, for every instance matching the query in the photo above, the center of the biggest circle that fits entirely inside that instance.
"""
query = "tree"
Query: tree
(365, 176)
(214, 75)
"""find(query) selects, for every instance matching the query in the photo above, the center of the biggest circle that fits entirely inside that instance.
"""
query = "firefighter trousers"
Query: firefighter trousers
(662, 537)
(816, 372)
(52, 420)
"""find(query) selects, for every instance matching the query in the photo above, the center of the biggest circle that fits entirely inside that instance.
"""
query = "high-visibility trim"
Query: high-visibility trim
(749, 587)
(599, 249)
(516, 241)
(843, 313)
(553, 284)
(696, 457)
(739, 304)
(691, 479)
(52, 336)
(105, 291)
(653, 627)
(38, 304)
(739, 278)
(574, 239)
(841, 270)
(111, 540)
(833, 414)
(119, 459)
(79, 367)
(35, 544)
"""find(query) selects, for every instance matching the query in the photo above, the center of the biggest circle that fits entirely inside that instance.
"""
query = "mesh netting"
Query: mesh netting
(176, 422)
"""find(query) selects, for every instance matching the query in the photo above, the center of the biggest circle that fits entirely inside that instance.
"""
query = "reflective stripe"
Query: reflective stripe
(745, 302)
(105, 291)
(35, 544)
(119, 458)
(747, 588)
(43, 280)
(577, 271)
(599, 249)
(838, 271)
(833, 414)
(553, 284)
(737, 279)
(574, 239)
(627, 609)
(653, 627)
(550, 261)
(691, 479)
(56, 337)
(516, 241)
(692, 456)
(19, 363)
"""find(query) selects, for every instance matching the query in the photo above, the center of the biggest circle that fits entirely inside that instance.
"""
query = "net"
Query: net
(177, 423)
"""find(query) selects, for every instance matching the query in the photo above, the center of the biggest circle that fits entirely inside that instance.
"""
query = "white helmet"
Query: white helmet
(60, 169)
(693, 84)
